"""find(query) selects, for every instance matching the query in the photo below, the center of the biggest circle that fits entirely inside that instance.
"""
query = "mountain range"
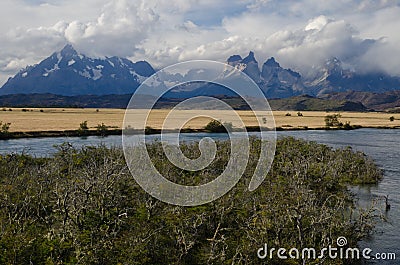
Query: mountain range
(69, 73)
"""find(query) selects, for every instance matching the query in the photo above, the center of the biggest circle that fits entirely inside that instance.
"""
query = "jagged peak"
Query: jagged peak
(271, 62)
(249, 58)
(334, 61)
(143, 68)
(234, 58)
(294, 73)
(68, 50)
(333, 66)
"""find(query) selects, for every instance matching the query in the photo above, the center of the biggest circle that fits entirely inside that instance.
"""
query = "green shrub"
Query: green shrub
(102, 129)
(4, 129)
(83, 206)
(150, 130)
(333, 120)
(218, 127)
(347, 126)
(83, 128)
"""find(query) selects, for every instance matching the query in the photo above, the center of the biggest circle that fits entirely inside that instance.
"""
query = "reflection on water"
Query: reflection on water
(382, 145)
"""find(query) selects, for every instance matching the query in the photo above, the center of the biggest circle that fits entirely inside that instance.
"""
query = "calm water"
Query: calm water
(382, 145)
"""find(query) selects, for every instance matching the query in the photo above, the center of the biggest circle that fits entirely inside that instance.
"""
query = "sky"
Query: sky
(300, 34)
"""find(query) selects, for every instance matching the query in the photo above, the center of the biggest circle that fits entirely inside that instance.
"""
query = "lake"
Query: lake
(383, 145)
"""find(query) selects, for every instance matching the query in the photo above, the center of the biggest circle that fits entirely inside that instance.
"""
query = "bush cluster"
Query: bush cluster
(4, 129)
(218, 127)
(82, 206)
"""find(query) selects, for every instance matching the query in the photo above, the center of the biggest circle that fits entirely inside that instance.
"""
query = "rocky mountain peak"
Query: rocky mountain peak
(333, 66)
(271, 62)
(249, 58)
(67, 72)
(68, 51)
(143, 68)
(234, 59)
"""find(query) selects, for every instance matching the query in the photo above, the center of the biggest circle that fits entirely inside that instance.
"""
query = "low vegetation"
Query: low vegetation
(333, 120)
(83, 128)
(4, 129)
(82, 206)
(218, 127)
(49, 119)
(102, 129)
(309, 103)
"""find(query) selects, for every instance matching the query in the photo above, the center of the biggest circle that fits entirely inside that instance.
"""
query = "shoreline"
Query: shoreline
(148, 131)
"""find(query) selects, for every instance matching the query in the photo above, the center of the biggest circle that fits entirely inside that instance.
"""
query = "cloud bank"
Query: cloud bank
(300, 34)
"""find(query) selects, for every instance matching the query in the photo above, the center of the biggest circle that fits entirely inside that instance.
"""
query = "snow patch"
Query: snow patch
(111, 63)
(85, 73)
(121, 62)
(112, 75)
(55, 68)
(100, 66)
(24, 74)
(59, 57)
(96, 74)
(138, 77)
(71, 62)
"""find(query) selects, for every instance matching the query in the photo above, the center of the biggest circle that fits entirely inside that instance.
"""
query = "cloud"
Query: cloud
(301, 34)
(119, 28)
(321, 39)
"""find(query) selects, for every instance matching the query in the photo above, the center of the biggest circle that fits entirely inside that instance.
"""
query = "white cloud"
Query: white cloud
(317, 23)
(299, 34)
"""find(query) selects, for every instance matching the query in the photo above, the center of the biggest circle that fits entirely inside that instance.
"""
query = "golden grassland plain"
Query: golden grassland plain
(57, 119)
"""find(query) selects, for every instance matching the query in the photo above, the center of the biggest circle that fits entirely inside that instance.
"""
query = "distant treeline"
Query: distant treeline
(59, 101)
(298, 103)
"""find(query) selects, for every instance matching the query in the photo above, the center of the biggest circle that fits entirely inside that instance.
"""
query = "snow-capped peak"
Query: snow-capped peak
(67, 72)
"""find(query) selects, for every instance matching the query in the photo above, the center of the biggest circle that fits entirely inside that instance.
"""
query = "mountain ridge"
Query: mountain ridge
(70, 73)
(388, 101)
(296, 103)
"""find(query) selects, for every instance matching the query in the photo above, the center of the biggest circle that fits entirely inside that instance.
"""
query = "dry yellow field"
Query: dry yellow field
(69, 119)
